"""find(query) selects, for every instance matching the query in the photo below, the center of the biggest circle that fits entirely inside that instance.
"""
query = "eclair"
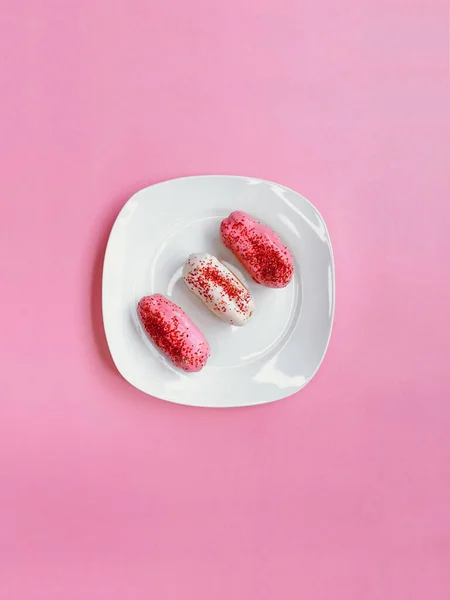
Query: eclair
(221, 291)
(173, 332)
(259, 249)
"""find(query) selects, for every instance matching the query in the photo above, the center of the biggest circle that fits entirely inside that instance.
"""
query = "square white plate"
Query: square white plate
(278, 351)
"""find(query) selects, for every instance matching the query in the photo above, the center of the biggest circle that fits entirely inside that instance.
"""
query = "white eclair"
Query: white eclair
(222, 292)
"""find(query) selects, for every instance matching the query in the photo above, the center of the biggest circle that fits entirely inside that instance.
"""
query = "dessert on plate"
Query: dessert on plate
(173, 332)
(221, 291)
(259, 249)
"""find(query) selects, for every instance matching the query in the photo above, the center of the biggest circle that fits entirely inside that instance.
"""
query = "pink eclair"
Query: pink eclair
(259, 249)
(173, 332)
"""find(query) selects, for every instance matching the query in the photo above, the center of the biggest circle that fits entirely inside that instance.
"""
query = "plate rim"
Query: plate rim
(333, 281)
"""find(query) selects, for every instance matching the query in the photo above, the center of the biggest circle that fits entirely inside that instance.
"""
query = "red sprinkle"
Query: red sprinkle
(271, 264)
(206, 276)
(167, 334)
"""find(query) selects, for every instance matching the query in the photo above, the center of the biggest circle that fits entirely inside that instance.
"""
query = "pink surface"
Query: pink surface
(339, 492)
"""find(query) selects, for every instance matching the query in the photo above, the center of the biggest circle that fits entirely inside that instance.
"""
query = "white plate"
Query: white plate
(278, 351)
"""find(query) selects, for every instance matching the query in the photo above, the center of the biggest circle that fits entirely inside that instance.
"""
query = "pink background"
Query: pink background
(339, 492)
